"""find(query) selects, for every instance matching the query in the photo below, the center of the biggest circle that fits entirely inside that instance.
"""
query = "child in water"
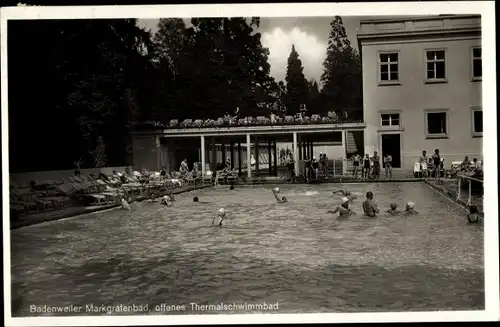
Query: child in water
(410, 209)
(394, 210)
(126, 205)
(280, 200)
(473, 215)
(221, 214)
(343, 209)
(167, 199)
(369, 207)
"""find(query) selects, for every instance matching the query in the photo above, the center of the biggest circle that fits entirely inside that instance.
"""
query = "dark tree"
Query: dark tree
(74, 91)
(296, 84)
(313, 97)
(342, 88)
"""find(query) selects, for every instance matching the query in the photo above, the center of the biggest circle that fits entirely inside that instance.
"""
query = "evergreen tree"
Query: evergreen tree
(313, 97)
(342, 88)
(296, 84)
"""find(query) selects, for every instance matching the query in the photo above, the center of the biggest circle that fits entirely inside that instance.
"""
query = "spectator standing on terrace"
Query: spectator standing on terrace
(423, 163)
(366, 166)
(388, 166)
(436, 160)
(356, 159)
(291, 168)
(315, 168)
(307, 166)
(376, 165)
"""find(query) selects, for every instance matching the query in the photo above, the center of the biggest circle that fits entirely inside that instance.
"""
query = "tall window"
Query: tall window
(477, 64)
(477, 122)
(390, 119)
(389, 68)
(436, 66)
(436, 123)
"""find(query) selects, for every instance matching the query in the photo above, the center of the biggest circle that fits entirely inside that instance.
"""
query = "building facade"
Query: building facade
(422, 87)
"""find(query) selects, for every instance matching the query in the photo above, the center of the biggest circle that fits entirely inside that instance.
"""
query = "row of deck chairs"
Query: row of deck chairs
(44, 195)
(225, 177)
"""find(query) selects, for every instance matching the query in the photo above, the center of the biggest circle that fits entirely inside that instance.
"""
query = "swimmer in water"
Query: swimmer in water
(394, 210)
(126, 205)
(221, 214)
(343, 209)
(472, 215)
(196, 200)
(348, 194)
(231, 187)
(369, 207)
(283, 199)
(166, 200)
(410, 209)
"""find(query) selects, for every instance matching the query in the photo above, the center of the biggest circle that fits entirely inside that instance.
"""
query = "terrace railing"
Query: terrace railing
(247, 121)
(469, 179)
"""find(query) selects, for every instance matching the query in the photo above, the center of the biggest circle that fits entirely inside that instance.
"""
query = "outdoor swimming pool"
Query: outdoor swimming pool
(295, 254)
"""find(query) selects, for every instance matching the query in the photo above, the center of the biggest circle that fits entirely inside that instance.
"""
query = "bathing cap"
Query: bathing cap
(221, 211)
(410, 205)
(276, 189)
(314, 157)
(344, 200)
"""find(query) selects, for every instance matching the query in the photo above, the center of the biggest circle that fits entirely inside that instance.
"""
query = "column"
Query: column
(158, 153)
(344, 161)
(213, 164)
(231, 148)
(256, 156)
(295, 153)
(249, 153)
(270, 158)
(239, 158)
(223, 153)
(304, 152)
(312, 148)
(275, 162)
(202, 156)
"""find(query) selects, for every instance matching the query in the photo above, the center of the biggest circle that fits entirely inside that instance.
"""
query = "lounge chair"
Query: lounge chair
(417, 169)
(232, 176)
(208, 178)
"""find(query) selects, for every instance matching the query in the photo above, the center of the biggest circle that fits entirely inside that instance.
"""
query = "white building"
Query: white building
(422, 87)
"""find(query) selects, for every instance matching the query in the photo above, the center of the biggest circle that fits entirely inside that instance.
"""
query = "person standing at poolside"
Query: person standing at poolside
(376, 165)
(436, 160)
(307, 166)
(356, 159)
(369, 207)
(423, 163)
(366, 166)
(388, 166)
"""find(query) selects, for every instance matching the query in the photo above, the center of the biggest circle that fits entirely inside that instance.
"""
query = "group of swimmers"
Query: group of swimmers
(370, 208)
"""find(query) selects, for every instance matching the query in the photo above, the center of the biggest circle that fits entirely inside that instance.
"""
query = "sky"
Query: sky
(308, 34)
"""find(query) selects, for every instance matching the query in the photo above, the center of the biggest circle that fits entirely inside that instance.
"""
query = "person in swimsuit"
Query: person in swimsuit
(355, 164)
(307, 165)
(369, 207)
(472, 215)
(315, 168)
(410, 209)
(376, 165)
(167, 199)
(125, 205)
(221, 214)
(423, 164)
(283, 199)
(436, 160)
(343, 209)
(345, 193)
(366, 166)
(388, 166)
(394, 210)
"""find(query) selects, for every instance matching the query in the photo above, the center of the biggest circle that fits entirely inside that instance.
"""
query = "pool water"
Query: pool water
(293, 254)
